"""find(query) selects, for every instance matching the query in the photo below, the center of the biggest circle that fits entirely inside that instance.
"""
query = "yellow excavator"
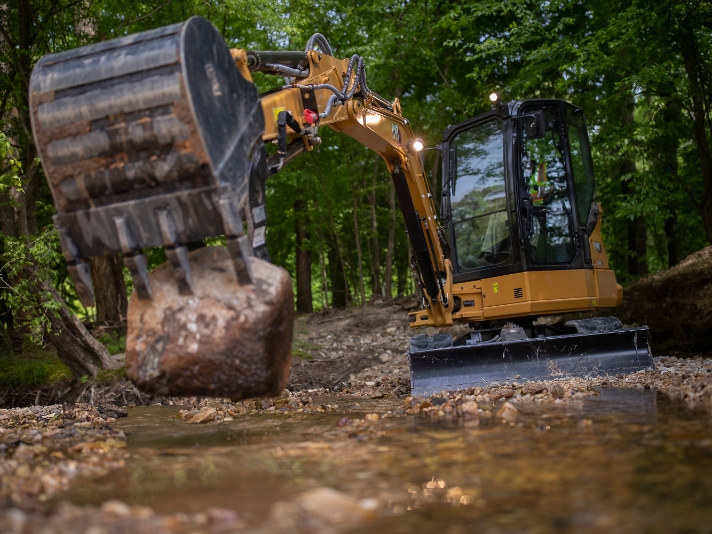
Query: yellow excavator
(158, 140)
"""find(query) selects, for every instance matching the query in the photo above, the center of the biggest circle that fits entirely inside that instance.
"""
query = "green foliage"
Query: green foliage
(302, 349)
(36, 368)
(115, 342)
(110, 376)
(11, 167)
(301, 354)
(28, 262)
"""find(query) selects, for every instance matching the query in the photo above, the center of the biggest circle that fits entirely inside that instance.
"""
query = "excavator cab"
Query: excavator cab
(524, 234)
(519, 190)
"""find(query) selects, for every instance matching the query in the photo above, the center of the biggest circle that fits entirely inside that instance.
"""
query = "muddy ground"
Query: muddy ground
(349, 369)
(676, 304)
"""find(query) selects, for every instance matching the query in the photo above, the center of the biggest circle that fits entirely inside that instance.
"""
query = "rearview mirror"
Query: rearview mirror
(534, 124)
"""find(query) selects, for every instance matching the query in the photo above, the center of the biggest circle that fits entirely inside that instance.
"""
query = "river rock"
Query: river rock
(508, 412)
(225, 340)
(206, 415)
(332, 507)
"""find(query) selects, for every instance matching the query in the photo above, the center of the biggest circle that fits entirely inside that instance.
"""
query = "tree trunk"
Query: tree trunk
(359, 252)
(304, 258)
(375, 246)
(637, 229)
(339, 287)
(324, 280)
(673, 241)
(109, 289)
(388, 276)
(700, 114)
(638, 247)
(667, 145)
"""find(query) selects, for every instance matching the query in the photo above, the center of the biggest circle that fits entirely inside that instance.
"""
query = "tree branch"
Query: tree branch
(143, 17)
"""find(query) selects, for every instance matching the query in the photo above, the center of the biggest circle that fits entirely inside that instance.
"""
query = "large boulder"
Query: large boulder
(676, 304)
(226, 340)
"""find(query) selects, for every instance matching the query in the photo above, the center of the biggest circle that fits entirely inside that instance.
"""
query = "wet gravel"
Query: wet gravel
(346, 362)
(43, 448)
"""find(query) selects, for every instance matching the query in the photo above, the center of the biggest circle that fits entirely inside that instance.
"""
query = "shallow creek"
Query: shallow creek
(625, 460)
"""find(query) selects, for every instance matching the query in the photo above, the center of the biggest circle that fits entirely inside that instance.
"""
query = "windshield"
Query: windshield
(478, 197)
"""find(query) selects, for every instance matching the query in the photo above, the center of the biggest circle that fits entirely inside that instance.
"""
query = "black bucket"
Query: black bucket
(147, 140)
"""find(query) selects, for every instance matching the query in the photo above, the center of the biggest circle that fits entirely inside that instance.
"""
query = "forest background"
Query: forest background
(641, 70)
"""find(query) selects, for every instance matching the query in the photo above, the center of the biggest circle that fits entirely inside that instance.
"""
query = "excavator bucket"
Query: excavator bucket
(436, 364)
(154, 140)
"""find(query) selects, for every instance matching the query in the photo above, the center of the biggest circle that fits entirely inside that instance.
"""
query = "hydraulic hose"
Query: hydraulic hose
(329, 105)
(287, 71)
(318, 40)
(351, 84)
(284, 119)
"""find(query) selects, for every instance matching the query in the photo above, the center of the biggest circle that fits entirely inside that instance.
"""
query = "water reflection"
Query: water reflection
(625, 460)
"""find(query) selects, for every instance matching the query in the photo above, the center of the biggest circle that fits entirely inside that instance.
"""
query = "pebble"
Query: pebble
(116, 508)
(508, 412)
(385, 357)
(470, 409)
(332, 507)
(48, 446)
(206, 415)
(221, 515)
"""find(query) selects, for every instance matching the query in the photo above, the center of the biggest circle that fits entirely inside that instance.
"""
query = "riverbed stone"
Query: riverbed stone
(225, 340)
(508, 412)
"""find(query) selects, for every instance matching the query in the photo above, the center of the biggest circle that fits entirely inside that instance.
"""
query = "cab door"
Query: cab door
(477, 198)
(551, 220)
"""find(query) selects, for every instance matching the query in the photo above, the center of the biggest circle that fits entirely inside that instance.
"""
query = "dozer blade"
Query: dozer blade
(575, 355)
(155, 140)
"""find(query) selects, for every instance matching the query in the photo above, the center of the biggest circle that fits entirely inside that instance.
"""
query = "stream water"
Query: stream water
(623, 461)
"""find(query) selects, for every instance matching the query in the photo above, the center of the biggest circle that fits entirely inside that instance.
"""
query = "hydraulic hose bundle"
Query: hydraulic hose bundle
(356, 64)
(295, 65)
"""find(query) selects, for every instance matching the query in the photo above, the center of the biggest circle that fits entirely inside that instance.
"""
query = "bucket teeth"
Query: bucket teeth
(79, 269)
(138, 267)
(81, 275)
(177, 254)
(238, 244)
(241, 255)
(135, 261)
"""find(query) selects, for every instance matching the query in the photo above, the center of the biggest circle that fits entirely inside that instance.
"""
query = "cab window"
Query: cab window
(584, 179)
(478, 198)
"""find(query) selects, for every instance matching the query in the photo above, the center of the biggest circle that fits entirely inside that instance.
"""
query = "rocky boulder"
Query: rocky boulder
(226, 340)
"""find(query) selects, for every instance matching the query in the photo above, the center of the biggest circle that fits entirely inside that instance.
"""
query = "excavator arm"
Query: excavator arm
(327, 91)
